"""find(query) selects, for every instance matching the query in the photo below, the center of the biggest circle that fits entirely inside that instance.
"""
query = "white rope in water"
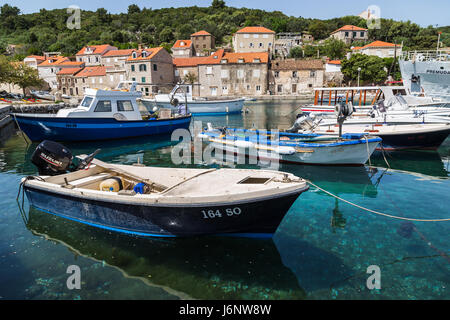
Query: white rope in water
(373, 211)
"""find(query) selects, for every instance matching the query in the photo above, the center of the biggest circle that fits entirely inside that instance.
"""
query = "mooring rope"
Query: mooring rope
(373, 211)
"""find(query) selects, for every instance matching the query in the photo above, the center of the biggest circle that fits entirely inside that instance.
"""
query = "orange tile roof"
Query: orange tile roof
(36, 57)
(69, 71)
(357, 48)
(98, 49)
(189, 62)
(71, 63)
(379, 44)
(151, 52)
(247, 57)
(182, 44)
(201, 33)
(334, 62)
(349, 27)
(119, 53)
(255, 30)
(97, 71)
(52, 61)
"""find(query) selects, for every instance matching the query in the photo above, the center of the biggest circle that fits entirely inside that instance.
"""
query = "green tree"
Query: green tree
(334, 49)
(5, 70)
(218, 4)
(373, 69)
(25, 77)
(190, 78)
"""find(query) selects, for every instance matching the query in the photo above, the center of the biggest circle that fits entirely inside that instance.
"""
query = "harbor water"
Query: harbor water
(323, 248)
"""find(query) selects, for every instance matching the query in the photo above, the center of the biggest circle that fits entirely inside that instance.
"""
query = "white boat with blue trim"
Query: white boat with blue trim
(102, 115)
(197, 106)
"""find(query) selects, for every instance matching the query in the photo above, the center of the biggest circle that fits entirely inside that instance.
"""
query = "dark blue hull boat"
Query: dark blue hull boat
(39, 127)
(257, 218)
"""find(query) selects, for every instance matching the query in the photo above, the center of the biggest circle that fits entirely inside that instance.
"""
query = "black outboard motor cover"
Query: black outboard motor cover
(51, 158)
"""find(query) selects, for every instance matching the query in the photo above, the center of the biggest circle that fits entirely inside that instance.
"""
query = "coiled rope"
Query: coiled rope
(373, 211)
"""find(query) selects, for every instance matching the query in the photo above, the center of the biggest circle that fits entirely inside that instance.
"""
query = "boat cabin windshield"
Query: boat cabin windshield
(86, 103)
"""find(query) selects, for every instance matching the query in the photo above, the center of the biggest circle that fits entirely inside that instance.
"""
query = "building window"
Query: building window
(276, 74)
(261, 45)
(251, 45)
(155, 67)
(142, 67)
(240, 74)
(224, 74)
(177, 73)
(280, 88)
(246, 36)
(241, 45)
(213, 91)
(294, 88)
(258, 88)
(312, 74)
(346, 34)
(354, 34)
(265, 36)
(294, 74)
(256, 73)
(256, 36)
(208, 70)
(132, 68)
(143, 79)
(204, 46)
(133, 79)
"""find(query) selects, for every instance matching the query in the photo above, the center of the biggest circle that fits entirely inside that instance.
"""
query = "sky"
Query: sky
(422, 12)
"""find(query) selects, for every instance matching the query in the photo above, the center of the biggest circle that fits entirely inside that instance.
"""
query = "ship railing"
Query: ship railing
(430, 55)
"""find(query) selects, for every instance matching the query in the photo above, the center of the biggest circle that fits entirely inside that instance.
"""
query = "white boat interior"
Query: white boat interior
(171, 185)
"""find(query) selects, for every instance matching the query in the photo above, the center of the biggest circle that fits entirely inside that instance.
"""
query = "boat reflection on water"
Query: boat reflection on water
(200, 268)
(429, 163)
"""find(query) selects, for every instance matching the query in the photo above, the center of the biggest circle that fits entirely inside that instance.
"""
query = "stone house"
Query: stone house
(183, 49)
(116, 58)
(91, 77)
(253, 39)
(185, 66)
(233, 74)
(51, 66)
(292, 76)
(67, 82)
(380, 49)
(92, 55)
(151, 68)
(203, 43)
(33, 61)
(349, 33)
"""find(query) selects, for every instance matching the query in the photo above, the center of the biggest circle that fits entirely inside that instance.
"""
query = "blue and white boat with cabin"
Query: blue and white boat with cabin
(102, 115)
(198, 106)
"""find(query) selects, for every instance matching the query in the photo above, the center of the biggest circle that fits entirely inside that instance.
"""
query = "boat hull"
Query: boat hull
(199, 108)
(426, 141)
(347, 155)
(259, 217)
(89, 129)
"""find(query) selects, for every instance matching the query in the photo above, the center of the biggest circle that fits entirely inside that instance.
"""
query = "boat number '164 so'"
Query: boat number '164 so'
(211, 214)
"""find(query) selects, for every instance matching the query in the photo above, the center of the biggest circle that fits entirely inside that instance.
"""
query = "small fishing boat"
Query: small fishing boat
(286, 147)
(427, 136)
(102, 115)
(161, 202)
(397, 133)
(44, 95)
(396, 100)
(197, 107)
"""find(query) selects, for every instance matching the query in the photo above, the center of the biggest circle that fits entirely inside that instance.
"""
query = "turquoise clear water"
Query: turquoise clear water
(321, 250)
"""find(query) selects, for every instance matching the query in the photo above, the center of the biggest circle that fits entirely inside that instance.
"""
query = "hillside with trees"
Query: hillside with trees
(46, 30)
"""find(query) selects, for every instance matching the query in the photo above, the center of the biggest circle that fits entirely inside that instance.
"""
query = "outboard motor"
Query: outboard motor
(303, 122)
(343, 111)
(51, 158)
